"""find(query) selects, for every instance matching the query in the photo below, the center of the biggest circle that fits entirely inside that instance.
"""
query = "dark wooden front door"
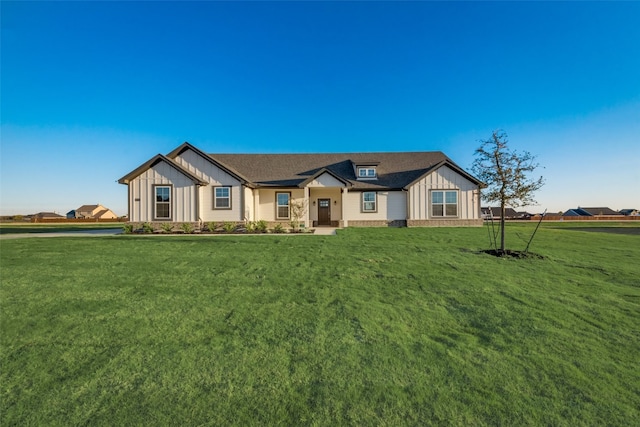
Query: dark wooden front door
(324, 211)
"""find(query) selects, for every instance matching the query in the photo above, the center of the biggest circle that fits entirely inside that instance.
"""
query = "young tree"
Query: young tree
(506, 173)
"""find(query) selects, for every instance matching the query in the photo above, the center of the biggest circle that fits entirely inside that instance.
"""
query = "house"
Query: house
(91, 212)
(45, 216)
(337, 189)
(590, 212)
(630, 212)
(494, 213)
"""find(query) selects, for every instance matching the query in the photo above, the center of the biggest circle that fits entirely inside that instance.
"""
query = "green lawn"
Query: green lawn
(29, 227)
(369, 327)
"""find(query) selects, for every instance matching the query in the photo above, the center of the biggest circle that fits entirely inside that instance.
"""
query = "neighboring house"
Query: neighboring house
(359, 189)
(45, 216)
(91, 212)
(630, 212)
(509, 213)
(591, 212)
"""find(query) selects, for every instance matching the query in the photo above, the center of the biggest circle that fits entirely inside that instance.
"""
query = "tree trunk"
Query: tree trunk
(502, 209)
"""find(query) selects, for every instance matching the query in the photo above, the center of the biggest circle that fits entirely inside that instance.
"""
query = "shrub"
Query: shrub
(186, 227)
(127, 228)
(278, 228)
(211, 226)
(166, 227)
(228, 227)
(251, 227)
(261, 226)
(147, 228)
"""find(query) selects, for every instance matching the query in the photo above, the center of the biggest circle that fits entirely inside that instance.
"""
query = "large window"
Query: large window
(162, 203)
(369, 201)
(221, 197)
(444, 203)
(282, 205)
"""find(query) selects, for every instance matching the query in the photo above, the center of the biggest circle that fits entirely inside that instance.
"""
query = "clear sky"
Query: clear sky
(91, 90)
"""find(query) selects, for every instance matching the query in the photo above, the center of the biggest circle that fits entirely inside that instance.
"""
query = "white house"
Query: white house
(338, 189)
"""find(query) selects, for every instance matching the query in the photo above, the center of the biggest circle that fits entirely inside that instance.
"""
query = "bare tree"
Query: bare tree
(506, 173)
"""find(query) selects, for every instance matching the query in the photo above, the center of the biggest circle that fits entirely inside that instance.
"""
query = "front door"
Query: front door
(324, 211)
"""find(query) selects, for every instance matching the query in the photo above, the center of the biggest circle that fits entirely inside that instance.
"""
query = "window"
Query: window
(282, 205)
(162, 202)
(369, 202)
(221, 197)
(444, 203)
(366, 172)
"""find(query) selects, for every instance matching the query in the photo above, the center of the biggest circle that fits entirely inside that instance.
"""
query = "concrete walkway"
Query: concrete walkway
(325, 231)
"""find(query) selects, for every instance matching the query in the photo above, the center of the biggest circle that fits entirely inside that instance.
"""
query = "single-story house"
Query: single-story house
(494, 213)
(43, 216)
(92, 212)
(630, 212)
(591, 212)
(336, 189)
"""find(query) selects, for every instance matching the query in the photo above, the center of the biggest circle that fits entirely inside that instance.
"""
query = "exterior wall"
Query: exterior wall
(249, 205)
(325, 180)
(444, 179)
(392, 205)
(445, 223)
(184, 194)
(207, 171)
(265, 202)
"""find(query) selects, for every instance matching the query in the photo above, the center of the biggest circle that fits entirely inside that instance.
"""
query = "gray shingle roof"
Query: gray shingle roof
(394, 170)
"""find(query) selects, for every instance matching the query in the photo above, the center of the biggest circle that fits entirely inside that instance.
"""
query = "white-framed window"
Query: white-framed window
(369, 201)
(444, 203)
(366, 172)
(282, 205)
(162, 202)
(221, 197)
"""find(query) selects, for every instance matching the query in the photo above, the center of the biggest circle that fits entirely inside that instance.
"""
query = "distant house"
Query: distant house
(40, 216)
(91, 212)
(630, 212)
(509, 213)
(602, 211)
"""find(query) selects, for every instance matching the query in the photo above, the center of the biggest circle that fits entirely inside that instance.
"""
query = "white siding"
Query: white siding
(392, 205)
(207, 171)
(184, 197)
(444, 179)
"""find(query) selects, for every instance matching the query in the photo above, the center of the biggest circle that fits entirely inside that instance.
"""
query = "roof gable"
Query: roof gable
(154, 161)
(187, 146)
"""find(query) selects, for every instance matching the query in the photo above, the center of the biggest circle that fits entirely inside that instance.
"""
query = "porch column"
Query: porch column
(343, 203)
(307, 203)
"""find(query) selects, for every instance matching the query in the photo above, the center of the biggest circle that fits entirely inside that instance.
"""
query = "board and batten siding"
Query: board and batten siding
(207, 171)
(443, 179)
(391, 205)
(183, 194)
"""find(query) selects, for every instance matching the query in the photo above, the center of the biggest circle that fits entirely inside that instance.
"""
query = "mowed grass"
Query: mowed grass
(369, 327)
(29, 227)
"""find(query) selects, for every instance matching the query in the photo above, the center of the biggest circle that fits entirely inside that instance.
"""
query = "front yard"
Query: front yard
(370, 327)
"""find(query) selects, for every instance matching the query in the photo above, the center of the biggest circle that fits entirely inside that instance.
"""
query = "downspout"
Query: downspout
(408, 214)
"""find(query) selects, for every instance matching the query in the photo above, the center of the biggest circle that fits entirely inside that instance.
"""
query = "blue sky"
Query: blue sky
(90, 90)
